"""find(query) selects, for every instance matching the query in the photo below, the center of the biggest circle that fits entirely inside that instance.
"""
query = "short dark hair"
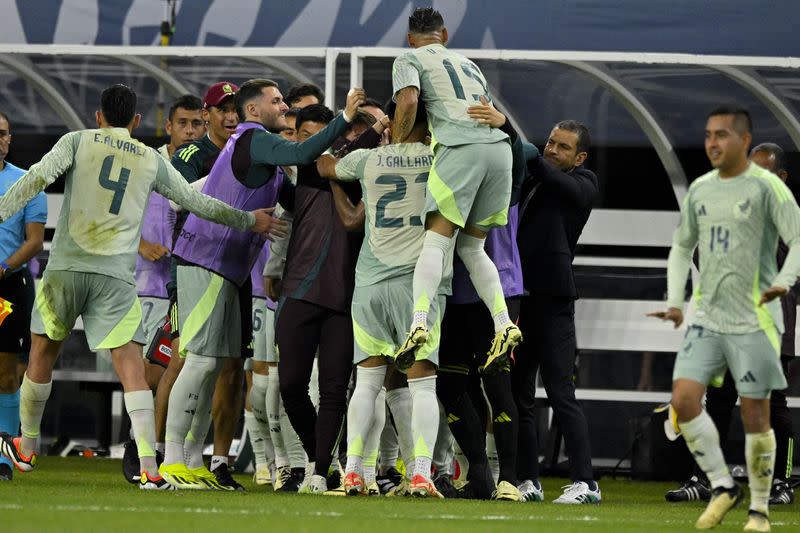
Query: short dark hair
(249, 90)
(421, 117)
(118, 105)
(775, 151)
(425, 20)
(371, 102)
(313, 113)
(296, 92)
(188, 102)
(292, 112)
(584, 140)
(742, 121)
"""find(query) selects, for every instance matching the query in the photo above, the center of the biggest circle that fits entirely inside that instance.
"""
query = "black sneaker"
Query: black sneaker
(295, 479)
(476, 490)
(224, 478)
(444, 484)
(389, 481)
(334, 479)
(692, 490)
(6, 472)
(781, 493)
(130, 462)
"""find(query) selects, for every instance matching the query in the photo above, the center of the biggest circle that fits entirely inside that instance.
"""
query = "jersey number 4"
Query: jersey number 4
(399, 192)
(117, 186)
(472, 72)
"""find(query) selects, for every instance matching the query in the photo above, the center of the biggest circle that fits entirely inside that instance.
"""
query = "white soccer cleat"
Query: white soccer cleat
(531, 491)
(579, 493)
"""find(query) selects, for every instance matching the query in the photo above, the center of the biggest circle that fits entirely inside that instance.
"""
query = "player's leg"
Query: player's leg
(701, 360)
(557, 367)
(523, 383)
(490, 209)
(754, 363)
(781, 422)
(168, 379)
(297, 333)
(398, 400)
(505, 420)
(464, 420)
(257, 421)
(226, 408)
(424, 403)
(362, 416)
(335, 367)
(15, 340)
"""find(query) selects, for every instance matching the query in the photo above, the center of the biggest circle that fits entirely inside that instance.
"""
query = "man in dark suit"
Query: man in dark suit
(558, 199)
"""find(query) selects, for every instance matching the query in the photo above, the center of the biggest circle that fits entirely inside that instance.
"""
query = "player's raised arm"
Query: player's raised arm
(54, 163)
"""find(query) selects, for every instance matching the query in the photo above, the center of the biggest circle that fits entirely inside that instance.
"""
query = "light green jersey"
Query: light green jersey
(735, 224)
(449, 83)
(393, 180)
(109, 177)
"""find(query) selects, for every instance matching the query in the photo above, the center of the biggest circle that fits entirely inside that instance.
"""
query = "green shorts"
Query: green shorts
(263, 332)
(470, 185)
(382, 317)
(154, 311)
(112, 315)
(754, 361)
(208, 313)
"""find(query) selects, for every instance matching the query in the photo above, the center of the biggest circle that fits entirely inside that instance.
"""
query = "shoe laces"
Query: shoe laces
(574, 489)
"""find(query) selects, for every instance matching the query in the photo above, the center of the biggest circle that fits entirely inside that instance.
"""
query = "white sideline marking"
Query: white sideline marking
(333, 514)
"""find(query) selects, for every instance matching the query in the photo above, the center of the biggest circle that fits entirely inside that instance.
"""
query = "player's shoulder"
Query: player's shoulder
(768, 180)
(704, 180)
(189, 152)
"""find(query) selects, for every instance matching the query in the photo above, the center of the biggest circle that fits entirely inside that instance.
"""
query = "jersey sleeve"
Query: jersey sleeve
(785, 215)
(54, 163)
(270, 149)
(351, 166)
(171, 184)
(405, 73)
(679, 262)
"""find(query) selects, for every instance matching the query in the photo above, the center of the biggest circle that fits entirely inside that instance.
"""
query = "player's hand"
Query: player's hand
(152, 251)
(272, 286)
(674, 314)
(485, 113)
(268, 225)
(355, 99)
(770, 294)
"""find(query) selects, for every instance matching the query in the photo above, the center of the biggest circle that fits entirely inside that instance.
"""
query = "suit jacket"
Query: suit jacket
(550, 225)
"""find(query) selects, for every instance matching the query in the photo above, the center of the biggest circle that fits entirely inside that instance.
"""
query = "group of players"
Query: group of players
(385, 274)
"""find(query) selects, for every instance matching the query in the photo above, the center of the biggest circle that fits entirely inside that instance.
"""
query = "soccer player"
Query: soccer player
(470, 182)
(194, 161)
(733, 215)
(21, 238)
(184, 124)
(109, 177)
(393, 178)
(219, 262)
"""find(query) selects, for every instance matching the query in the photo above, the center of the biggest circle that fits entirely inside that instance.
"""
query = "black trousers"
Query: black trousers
(549, 347)
(720, 402)
(300, 328)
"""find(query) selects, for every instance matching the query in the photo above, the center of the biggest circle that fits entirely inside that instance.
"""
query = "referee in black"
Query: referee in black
(558, 198)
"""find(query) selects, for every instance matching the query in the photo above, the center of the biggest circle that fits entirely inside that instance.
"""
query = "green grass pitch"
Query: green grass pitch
(80, 494)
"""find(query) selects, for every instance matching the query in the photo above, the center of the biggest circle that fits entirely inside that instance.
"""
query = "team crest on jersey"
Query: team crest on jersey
(742, 209)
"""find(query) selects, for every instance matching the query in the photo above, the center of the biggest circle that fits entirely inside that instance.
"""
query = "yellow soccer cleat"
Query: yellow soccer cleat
(499, 356)
(757, 522)
(722, 501)
(262, 475)
(180, 477)
(204, 475)
(405, 356)
(507, 492)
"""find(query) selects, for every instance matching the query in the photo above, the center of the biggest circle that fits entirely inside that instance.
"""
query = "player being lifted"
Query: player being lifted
(109, 177)
(470, 182)
(733, 215)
